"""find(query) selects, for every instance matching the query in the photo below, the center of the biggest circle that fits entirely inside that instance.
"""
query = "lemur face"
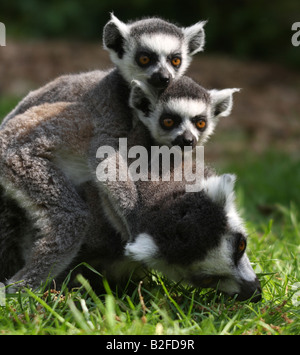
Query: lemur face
(199, 238)
(152, 50)
(185, 114)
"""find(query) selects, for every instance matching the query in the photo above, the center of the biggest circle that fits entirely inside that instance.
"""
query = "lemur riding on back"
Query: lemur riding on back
(185, 114)
(152, 50)
(48, 143)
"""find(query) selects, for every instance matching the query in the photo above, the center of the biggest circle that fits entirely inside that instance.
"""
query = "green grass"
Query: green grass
(7, 104)
(268, 194)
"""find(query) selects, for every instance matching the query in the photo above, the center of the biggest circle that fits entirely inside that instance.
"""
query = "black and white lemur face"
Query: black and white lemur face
(198, 238)
(152, 50)
(185, 114)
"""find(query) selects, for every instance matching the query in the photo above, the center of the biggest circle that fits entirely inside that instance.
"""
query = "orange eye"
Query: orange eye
(201, 124)
(176, 61)
(242, 246)
(168, 122)
(144, 59)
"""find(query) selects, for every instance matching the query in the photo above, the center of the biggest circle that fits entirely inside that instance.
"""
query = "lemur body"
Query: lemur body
(59, 200)
(48, 144)
(198, 238)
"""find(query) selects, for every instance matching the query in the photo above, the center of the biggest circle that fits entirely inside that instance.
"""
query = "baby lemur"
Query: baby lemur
(48, 143)
(151, 50)
(185, 114)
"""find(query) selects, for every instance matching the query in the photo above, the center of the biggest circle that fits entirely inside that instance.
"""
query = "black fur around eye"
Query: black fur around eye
(144, 58)
(175, 59)
(240, 246)
(176, 62)
(200, 122)
(169, 121)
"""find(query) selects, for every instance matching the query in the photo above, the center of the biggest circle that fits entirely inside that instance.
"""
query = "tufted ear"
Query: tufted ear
(141, 98)
(195, 37)
(114, 35)
(220, 188)
(221, 101)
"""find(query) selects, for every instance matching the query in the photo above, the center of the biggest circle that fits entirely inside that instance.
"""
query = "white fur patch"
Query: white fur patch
(161, 43)
(123, 28)
(222, 101)
(194, 31)
(220, 188)
(142, 249)
(217, 262)
(245, 271)
(186, 107)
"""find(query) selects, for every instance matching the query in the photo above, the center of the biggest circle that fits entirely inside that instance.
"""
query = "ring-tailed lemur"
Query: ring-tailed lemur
(151, 50)
(48, 143)
(185, 114)
(197, 238)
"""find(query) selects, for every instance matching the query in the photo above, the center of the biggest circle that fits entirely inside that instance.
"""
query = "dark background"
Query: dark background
(259, 29)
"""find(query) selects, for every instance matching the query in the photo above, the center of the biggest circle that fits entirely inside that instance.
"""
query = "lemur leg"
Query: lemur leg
(55, 208)
(119, 194)
(12, 225)
(119, 197)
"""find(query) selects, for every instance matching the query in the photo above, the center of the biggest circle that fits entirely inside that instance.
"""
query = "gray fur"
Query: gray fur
(30, 146)
(66, 121)
(190, 237)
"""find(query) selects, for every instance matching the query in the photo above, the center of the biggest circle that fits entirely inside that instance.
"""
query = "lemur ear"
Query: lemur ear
(141, 98)
(114, 34)
(195, 37)
(220, 188)
(222, 102)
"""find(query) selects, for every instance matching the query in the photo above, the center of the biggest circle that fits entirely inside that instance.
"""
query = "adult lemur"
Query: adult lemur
(197, 238)
(64, 123)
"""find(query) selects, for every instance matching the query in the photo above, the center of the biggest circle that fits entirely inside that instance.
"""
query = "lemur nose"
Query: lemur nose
(185, 140)
(165, 79)
(188, 141)
(160, 80)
